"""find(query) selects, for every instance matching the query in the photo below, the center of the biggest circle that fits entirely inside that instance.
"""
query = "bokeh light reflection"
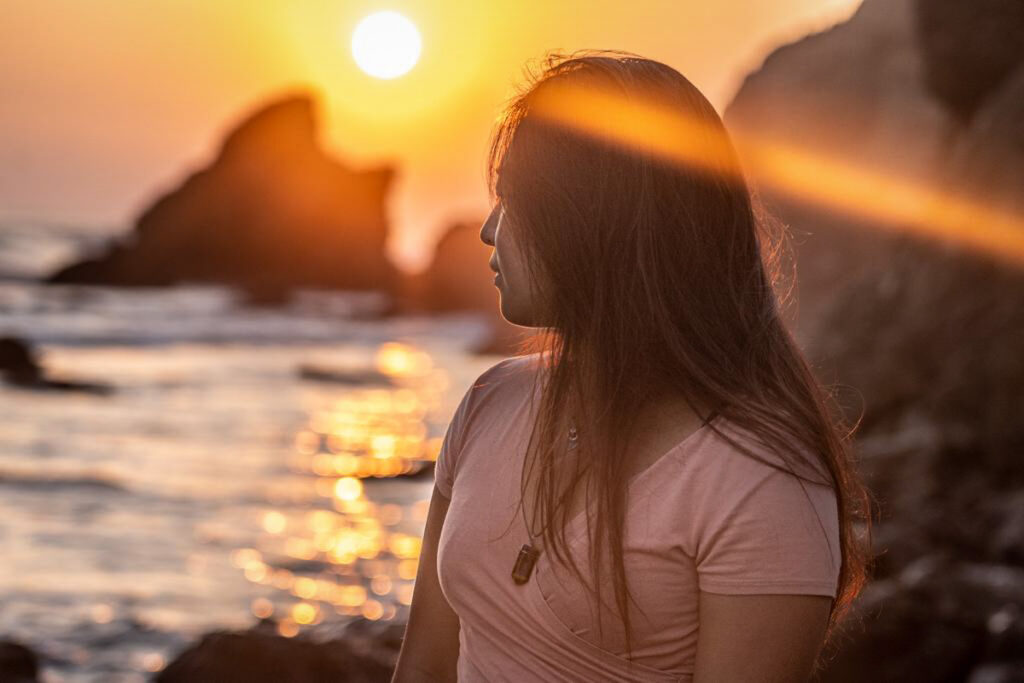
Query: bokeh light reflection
(349, 551)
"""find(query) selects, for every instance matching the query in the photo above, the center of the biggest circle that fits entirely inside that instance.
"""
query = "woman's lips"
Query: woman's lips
(497, 276)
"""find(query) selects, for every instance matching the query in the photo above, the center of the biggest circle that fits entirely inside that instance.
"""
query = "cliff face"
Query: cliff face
(863, 98)
(915, 312)
(852, 97)
(272, 212)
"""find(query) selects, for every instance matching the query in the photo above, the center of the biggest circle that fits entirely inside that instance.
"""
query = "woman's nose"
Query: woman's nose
(487, 231)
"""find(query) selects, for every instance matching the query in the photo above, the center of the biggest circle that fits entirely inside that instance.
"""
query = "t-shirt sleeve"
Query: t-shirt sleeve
(767, 536)
(451, 447)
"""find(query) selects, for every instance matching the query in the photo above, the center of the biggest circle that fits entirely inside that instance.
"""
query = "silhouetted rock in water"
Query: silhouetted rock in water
(341, 375)
(460, 279)
(18, 663)
(270, 214)
(18, 362)
(969, 48)
(425, 472)
(361, 654)
(19, 367)
(917, 327)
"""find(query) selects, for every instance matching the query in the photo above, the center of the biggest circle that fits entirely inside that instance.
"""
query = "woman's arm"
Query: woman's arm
(762, 638)
(430, 648)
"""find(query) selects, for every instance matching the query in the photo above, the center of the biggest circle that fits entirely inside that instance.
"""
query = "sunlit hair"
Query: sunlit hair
(652, 275)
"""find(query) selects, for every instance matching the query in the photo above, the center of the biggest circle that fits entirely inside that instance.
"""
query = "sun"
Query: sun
(386, 44)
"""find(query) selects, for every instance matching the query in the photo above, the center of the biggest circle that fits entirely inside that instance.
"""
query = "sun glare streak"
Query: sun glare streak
(894, 202)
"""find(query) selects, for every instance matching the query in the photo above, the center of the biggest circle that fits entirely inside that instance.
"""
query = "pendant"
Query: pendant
(524, 563)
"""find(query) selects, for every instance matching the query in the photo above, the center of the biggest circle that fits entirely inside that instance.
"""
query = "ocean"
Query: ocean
(242, 465)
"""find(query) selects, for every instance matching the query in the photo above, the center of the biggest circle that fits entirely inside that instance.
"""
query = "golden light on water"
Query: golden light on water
(256, 571)
(153, 661)
(304, 613)
(348, 488)
(373, 610)
(890, 201)
(283, 580)
(381, 584)
(274, 522)
(407, 569)
(354, 556)
(304, 587)
(262, 608)
(399, 359)
(383, 445)
(102, 613)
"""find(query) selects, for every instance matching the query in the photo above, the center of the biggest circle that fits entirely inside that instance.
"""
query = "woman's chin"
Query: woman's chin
(508, 312)
(514, 317)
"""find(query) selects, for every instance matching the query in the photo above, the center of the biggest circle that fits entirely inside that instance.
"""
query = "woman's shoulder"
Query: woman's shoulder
(506, 378)
(731, 451)
(492, 397)
(524, 364)
(750, 524)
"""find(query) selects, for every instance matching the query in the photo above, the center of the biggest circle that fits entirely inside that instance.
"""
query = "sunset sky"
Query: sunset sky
(107, 103)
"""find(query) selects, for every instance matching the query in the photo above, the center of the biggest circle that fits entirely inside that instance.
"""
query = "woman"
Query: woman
(656, 488)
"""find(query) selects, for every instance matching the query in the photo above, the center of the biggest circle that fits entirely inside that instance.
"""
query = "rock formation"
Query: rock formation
(272, 212)
(917, 317)
(18, 663)
(364, 652)
(19, 367)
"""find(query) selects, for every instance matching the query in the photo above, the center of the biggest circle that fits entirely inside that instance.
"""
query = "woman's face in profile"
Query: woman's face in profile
(512, 279)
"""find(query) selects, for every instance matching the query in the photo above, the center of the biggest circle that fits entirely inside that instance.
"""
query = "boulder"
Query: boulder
(938, 621)
(19, 367)
(18, 663)
(18, 364)
(360, 654)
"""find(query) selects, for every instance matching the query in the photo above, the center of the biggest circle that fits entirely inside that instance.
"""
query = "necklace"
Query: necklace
(528, 554)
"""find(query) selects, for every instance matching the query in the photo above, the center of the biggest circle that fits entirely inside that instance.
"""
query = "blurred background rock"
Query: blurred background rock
(917, 317)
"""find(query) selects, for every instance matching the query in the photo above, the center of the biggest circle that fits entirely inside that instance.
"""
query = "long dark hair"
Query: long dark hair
(654, 273)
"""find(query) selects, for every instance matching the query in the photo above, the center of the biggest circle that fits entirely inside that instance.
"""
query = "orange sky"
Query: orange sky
(107, 102)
